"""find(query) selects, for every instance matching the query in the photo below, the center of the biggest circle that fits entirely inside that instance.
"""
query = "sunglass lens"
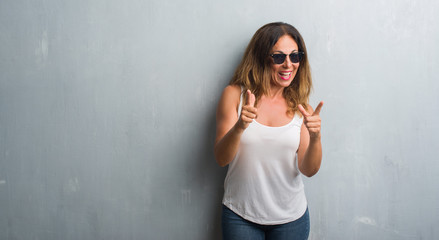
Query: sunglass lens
(278, 58)
(295, 57)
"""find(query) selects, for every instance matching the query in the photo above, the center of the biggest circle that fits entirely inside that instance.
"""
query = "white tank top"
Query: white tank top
(263, 182)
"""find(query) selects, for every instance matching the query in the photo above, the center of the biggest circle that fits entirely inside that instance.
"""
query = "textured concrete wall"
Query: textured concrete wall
(107, 115)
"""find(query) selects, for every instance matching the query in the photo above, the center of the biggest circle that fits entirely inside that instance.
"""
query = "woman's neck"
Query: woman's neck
(275, 92)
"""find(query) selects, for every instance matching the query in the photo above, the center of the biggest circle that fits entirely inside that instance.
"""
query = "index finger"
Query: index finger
(318, 108)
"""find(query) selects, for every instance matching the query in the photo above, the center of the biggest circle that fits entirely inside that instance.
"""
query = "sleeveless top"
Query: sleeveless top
(263, 183)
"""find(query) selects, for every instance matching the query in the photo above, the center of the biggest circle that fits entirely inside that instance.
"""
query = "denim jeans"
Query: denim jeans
(235, 227)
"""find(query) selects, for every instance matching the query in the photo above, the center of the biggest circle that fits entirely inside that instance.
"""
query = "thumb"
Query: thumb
(250, 98)
(303, 111)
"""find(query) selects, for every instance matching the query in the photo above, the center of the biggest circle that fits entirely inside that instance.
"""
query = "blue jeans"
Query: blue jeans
(235, 227)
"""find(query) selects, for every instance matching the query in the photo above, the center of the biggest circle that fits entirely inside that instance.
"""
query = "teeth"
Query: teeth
(285, 74)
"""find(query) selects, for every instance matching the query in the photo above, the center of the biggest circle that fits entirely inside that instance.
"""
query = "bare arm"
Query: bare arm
(229, 127)
(310, 148)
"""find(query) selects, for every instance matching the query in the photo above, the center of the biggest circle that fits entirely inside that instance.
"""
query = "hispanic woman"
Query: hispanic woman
(268, 135)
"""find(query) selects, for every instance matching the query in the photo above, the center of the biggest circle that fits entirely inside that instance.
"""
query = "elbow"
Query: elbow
(309, 175)
(311, 172)
(220, 163)
(219, 160)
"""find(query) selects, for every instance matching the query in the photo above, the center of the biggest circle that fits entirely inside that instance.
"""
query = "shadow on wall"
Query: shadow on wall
(213, 179)
(208, 176)
(208, 168)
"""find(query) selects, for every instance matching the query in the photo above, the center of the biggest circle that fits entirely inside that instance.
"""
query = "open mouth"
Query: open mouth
(285, 75)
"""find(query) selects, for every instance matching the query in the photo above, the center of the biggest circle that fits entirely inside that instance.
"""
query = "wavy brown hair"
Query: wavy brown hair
(254, 71)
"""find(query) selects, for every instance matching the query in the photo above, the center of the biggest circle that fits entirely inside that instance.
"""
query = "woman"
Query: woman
(268, 135)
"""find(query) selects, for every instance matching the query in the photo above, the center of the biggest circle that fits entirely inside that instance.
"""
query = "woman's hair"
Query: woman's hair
(255, 72)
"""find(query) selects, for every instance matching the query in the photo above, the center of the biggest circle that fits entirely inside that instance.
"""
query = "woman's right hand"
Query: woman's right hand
(248, 111)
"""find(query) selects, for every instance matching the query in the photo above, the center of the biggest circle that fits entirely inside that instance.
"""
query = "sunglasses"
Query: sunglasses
(279, 58)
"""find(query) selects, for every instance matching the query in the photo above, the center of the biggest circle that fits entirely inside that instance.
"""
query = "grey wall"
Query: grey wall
(107, 115)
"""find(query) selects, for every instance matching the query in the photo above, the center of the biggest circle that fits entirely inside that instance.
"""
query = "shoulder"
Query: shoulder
(231, 93)
(230, 98)
(234, 90)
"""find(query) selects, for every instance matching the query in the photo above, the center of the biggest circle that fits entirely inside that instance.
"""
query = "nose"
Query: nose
(287, 63)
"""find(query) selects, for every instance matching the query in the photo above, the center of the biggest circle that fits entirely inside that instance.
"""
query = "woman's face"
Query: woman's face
(283, 74)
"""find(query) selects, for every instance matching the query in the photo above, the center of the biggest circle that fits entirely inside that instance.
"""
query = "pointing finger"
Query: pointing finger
(318, 108)
(303, 111)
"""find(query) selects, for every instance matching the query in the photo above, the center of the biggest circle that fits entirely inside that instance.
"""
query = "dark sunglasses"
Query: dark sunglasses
(279, 58)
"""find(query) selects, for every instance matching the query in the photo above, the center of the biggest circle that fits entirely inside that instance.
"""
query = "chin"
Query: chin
(284, 83)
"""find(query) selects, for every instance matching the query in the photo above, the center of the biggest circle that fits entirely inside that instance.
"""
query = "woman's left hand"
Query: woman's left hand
(312, 120)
